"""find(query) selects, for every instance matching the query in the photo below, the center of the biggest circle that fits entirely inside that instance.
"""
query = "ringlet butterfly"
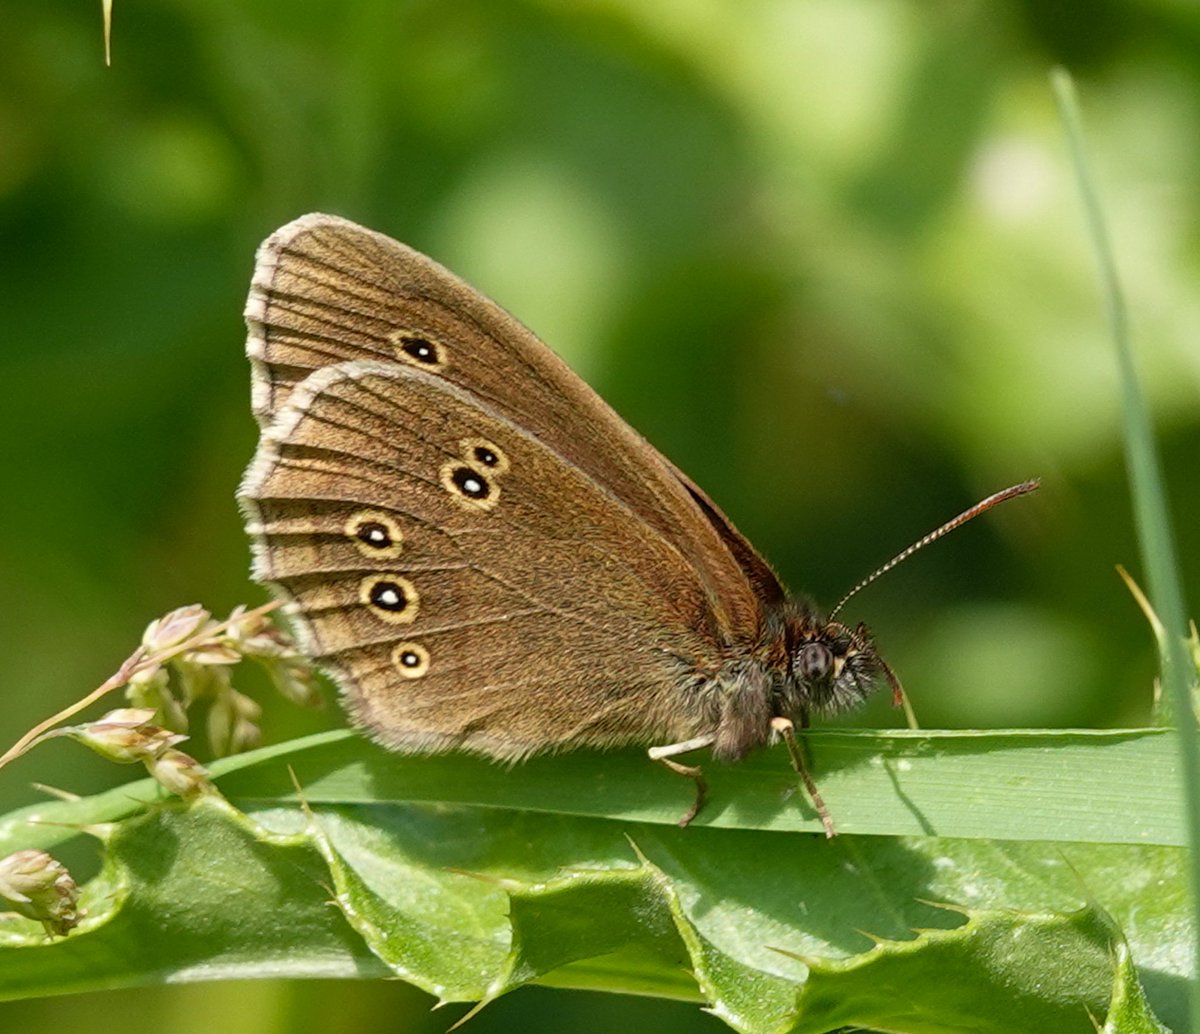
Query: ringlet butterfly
(483, 555)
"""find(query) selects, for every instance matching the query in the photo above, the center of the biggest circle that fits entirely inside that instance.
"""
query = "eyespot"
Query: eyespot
(469, 485)
(418, 348)
(411, 660)
(392, 599)
(375, 533)
(479, 452)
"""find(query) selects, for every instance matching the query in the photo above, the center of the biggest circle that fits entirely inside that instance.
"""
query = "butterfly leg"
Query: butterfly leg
(787, 729)
(665, 753)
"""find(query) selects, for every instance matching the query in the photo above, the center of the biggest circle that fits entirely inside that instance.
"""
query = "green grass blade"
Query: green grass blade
(1063, 786)
(1149, 497)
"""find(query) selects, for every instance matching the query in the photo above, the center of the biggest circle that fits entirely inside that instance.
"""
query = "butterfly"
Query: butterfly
(482, 554)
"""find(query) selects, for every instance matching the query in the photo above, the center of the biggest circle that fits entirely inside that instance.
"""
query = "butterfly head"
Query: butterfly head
(834, 667)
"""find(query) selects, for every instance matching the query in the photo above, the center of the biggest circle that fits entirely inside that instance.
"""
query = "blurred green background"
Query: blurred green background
(826, 255)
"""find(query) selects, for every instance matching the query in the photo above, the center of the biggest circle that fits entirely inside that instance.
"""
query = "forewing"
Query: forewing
(326, 291)
(462, 581)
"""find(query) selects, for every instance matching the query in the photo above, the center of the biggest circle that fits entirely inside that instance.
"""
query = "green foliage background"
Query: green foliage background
(826, 255)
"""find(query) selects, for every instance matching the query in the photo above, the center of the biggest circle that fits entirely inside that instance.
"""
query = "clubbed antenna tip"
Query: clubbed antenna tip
(984, 504)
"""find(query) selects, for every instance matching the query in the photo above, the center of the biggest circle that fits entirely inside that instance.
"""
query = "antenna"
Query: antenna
(933, 536)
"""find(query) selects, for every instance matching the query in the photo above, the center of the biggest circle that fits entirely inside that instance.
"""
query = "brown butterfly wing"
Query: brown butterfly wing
(464, 583)
(326, 291)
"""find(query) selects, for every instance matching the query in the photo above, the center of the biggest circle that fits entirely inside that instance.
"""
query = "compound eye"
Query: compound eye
(812, 662)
